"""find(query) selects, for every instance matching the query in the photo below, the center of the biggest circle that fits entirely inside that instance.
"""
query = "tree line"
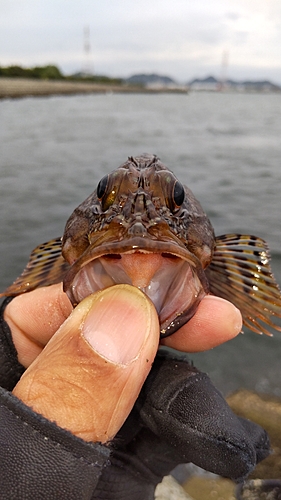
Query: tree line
(52, 72)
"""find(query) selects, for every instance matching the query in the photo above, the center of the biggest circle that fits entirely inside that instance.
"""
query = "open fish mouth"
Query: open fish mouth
(171, 282)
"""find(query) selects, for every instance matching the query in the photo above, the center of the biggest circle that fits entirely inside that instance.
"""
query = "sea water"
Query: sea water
(225, 147)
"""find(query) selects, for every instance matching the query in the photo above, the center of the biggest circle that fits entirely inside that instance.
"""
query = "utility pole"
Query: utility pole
(88, 69)
(224, 68)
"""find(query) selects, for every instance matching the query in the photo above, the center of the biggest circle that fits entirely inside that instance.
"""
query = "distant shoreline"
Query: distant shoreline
(22, 87)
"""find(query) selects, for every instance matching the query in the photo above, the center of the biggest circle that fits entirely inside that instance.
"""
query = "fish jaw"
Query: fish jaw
(171, 277)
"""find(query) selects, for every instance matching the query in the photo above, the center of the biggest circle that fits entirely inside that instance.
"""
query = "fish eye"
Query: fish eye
(178, 194)
(102, 185)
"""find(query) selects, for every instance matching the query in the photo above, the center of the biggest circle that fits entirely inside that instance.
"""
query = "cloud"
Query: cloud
(176, 38)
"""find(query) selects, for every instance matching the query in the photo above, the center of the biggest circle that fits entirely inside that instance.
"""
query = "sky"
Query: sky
(182, 39)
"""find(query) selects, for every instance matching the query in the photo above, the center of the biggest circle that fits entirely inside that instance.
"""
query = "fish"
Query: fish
(143, 227)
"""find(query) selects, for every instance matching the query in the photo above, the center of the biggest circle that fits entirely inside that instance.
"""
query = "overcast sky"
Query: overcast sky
(179, 38)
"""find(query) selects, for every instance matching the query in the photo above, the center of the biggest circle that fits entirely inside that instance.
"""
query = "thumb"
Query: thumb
(90, 373)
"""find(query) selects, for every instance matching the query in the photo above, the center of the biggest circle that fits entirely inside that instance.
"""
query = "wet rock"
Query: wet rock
(259, 490)
(170, 489)
(210, 488)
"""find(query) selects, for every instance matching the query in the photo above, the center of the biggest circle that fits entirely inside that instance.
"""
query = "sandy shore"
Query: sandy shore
(21, 87)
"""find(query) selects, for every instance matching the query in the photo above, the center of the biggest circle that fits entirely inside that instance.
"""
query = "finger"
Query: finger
(34, 317)
(216, 321)
(90, 373)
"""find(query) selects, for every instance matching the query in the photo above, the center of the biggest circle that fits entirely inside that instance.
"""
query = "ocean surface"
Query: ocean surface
(225, 147)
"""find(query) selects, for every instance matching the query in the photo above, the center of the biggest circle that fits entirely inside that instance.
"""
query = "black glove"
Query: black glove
(179, 417)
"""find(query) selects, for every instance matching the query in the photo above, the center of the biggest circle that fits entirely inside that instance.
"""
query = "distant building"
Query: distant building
(211, 84)
(208, 84)
(154, 81)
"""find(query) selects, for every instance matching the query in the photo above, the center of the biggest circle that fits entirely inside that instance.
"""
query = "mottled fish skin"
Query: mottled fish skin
(139, 198)
(141, 207)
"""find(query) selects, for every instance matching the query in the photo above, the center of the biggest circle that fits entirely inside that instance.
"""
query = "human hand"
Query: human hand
(90, 389)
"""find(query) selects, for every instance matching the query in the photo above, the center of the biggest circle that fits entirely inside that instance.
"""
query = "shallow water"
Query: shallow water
(225, 147)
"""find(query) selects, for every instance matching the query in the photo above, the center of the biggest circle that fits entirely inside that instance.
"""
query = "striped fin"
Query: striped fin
(240, 272)
(46, 266)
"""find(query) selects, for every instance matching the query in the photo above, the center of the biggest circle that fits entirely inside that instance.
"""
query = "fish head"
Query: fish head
(141, 226)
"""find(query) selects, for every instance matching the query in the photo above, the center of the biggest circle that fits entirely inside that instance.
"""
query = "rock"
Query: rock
(259, 490)
(170, 489)
(210, 487)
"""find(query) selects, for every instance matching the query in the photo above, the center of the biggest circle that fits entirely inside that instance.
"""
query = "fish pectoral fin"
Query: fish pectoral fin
(240, 272)
(46, 266)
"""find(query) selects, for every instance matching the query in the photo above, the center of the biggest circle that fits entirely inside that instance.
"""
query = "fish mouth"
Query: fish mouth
(170, 276)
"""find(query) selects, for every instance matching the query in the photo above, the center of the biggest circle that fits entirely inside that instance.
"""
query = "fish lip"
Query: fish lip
(176, 298)
(135, 245)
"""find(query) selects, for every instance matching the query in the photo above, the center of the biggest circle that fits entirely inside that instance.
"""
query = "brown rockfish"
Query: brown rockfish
(141, 226)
